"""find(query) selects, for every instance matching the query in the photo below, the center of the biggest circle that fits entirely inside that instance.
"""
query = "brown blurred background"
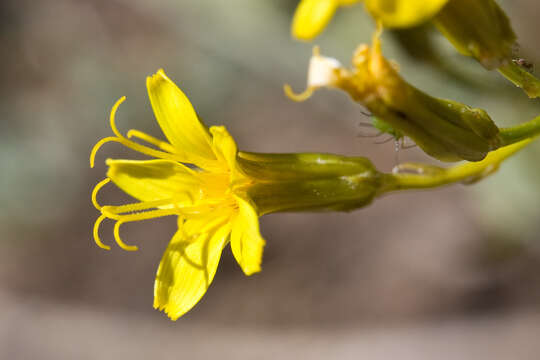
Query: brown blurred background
(451, 273)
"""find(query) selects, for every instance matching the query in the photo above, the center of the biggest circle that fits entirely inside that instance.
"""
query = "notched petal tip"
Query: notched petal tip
(167, 310)
(251, 270)
(157, 76)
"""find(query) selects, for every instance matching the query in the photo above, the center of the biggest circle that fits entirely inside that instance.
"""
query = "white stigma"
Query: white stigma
(322, 70)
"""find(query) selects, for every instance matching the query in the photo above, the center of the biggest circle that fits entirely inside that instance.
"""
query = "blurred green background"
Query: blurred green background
(451, 273)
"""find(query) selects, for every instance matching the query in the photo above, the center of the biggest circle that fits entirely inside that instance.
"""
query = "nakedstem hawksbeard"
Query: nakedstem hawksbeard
(218, 192)
(210, 200)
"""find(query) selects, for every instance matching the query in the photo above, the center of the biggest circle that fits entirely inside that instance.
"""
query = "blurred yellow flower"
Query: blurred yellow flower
(208, 196)
(403, 13)
(312, 16)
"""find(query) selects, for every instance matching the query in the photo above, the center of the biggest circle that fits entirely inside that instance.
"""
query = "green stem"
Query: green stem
(428, 176)
(521, 78)
(520, 132)
(317, 182)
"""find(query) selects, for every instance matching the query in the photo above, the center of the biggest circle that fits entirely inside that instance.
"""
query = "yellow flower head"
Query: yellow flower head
(195, 177)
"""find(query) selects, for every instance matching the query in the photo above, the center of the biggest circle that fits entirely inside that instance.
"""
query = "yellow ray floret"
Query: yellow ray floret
(193, 176)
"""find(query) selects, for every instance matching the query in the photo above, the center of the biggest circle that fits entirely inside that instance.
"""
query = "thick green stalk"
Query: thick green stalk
(318, 182)
(520, 132)
(421, 176)
(482, 30)
(522, 78)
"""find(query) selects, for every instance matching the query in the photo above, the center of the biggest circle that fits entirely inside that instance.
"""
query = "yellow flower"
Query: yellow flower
(218, 193)
(312, 16)
(208, 195)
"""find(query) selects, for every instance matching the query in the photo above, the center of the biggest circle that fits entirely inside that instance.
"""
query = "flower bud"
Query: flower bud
(482, 30)
(444, 129)
(479, 29)
(309, 182)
